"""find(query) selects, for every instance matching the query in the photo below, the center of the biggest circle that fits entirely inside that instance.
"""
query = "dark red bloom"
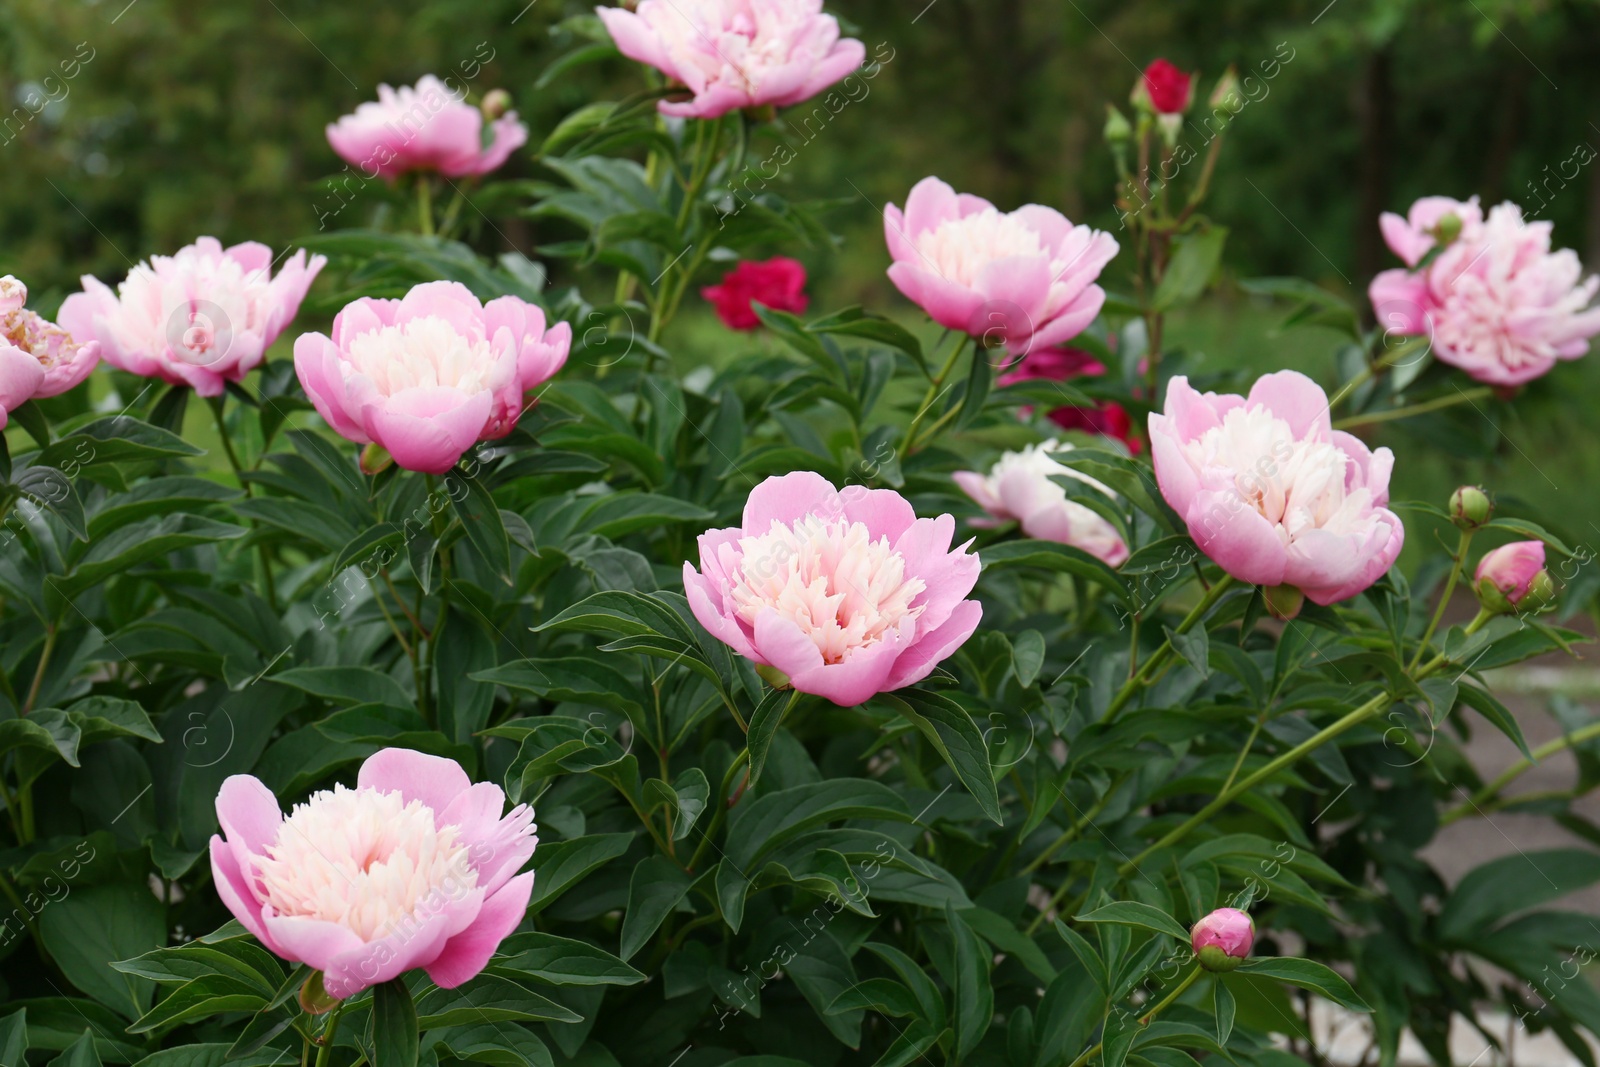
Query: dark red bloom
(1170, 90)
(1063, 364)
(778, 283)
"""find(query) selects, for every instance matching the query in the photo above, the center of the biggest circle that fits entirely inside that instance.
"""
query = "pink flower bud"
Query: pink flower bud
(1513, 577)
(1164, 89)
(1223, 939)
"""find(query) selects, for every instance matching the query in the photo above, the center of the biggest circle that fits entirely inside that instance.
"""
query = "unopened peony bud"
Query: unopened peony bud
(1513, 578)
(1447, 229)
(1223, 939)
(1470, 507)
(1226, 89)
(1118, 129)
(1283, 601)
(496, 102)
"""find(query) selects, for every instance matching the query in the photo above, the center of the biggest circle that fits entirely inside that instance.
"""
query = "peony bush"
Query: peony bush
(981, 678)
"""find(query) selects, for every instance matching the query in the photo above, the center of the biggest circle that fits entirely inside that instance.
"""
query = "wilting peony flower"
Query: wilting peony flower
(1271, 492)
(1223, 939)
(1512, 578)
(1168, 90)
(1495, 301)
(1061, 364)
(203, 317)
(415, 867)
(1025, 279)
(734, 54)
(37, 357)
(777, 283)
(428, 127)
(1020, 488)
(849, 594)
(429, 376)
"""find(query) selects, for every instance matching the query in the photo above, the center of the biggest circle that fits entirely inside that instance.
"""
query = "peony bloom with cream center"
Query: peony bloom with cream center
(429, 127)
(1494, 299)
(1021, 487)
(203, 317)
(1025, 279)
(1271, 492)
(37, 357)
(849, 594)
(413, 868)
(734, 54)
(430, 375)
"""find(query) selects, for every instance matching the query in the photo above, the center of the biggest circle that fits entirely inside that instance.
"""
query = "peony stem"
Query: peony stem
(720, 815)
(1160, 655)
(424, 206)
(1388, 359)
(1438, 661)
(1394, 414)
(1328, 733)
(932, 395)
(1146, 1018)
(268, 587)
(1511, 773)
(1458, 562)
(328, 1034)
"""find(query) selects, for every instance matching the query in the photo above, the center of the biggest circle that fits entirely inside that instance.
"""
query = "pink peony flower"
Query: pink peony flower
(777, 283)
(1496, 301)
(1061, 364)
(849, 594)
(430, 375)
(1020, 488)
(200, 318)
(734, 54)
(1025, 279)
(1168, 90)
(428, 127)
(37, 357)
(1271, 492)
(1513, 576)
(412, 868)
(1223, 939)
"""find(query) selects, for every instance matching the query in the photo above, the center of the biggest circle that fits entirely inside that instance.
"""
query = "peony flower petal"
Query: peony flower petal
(433, 780)
(468, 952)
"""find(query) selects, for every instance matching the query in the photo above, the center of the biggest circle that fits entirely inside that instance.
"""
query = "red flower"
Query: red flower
(1109, 418)
(1168, 89)
(779, 283)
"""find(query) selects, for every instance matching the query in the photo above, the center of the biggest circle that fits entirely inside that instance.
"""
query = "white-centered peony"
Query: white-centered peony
(1021, 487)
(424, 353)
(1296, 484)
(365, 860)
(843, 589)
(960, 249)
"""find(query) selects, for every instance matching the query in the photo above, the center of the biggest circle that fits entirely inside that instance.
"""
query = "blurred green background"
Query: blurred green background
(160, 120)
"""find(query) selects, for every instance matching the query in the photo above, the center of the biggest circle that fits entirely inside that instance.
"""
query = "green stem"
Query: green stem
(329, 1032)
(1438, 661)
(1147, 1018)
(424, 205)
(50, 633)
(1244, 753)
(1354, 718)
(719, 816)
(933, 391)
(1072, 831)
(268, 586)
(1384, 361)
(1458, 562)
(1413, 409)
(1132, 685)
(1511, 773)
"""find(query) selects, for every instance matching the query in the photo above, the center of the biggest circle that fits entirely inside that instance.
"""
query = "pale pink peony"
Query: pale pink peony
(1271, 492)
(412, 868)
(427, 128)
(1223, 939)
(1414, 236)
(849, 594)
(37, 357)
(430, 375)
(1496, 301)
(734, 54)
(1020, 488)
(203, 317)
(1024, 279)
